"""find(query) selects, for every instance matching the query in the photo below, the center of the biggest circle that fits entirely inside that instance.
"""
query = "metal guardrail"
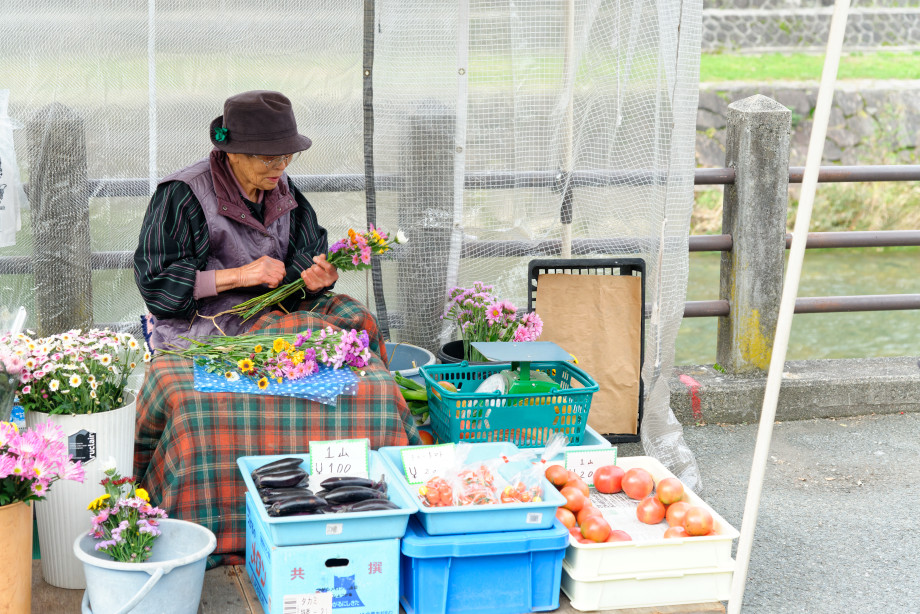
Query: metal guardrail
(558, 181)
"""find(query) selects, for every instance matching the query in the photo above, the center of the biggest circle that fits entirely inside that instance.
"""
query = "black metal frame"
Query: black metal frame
(598, 266)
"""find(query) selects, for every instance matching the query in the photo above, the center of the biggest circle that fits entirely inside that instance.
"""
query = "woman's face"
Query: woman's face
(258, 172)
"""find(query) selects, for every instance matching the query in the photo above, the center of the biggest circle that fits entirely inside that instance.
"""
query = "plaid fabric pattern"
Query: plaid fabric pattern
(187, 442)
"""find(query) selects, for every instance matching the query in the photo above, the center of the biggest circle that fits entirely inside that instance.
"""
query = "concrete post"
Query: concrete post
(426, 200)
(754, 214)
(58, 194)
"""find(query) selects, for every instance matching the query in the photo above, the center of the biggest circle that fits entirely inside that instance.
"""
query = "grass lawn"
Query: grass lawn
(807, 67)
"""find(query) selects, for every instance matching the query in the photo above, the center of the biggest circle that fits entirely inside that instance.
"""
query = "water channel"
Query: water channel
(828, 272)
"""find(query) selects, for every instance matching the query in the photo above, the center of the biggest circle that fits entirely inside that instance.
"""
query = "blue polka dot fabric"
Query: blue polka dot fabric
(323, 386)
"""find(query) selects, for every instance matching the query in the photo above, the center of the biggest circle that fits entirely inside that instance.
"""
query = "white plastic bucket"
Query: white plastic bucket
(407, 358)
(169, 582)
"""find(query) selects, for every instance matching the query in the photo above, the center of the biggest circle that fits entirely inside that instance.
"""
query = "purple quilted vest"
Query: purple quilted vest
(236, 239)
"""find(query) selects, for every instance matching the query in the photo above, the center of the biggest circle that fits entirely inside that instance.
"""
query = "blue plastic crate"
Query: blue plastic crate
(480, 518)
(498, 573)
(526, 420)
(359, 577)
(329, 528)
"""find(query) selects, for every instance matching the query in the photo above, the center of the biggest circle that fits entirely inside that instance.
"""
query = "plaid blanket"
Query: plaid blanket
(187, 442)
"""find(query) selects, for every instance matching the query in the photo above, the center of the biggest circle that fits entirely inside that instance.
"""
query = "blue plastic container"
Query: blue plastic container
(480, 518)
(330, 528)
(498, 573)
(526, 420)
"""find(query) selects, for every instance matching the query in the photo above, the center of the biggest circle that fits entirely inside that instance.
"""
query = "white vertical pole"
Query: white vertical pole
(151, 96)
(787, 304)
(568, 68)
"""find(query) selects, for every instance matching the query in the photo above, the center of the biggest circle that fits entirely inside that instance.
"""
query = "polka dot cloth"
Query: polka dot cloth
(322, 387)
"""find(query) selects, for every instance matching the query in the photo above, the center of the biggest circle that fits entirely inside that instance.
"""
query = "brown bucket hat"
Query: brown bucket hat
(258, 122)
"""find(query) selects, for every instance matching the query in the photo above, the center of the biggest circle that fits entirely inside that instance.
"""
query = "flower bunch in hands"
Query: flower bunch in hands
(31, 461)
(481, 316)
(74, 372)
(352, 253)
(125, 525)
(276, 358)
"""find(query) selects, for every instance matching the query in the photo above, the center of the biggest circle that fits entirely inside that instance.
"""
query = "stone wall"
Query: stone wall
(871, 122)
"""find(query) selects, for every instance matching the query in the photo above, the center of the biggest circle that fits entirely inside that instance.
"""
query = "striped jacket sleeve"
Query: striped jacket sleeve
(308, 239)
(172, 248)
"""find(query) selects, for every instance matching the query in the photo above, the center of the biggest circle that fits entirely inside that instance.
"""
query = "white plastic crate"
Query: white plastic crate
(649, 552)
(637, 590)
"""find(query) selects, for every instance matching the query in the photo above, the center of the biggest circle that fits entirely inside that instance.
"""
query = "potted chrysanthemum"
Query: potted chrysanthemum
(135, 558)
(78, 380)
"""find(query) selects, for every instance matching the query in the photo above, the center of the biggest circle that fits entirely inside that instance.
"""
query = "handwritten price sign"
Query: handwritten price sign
(585, 462)
(343, 457)
(422, 463)
(311, 603)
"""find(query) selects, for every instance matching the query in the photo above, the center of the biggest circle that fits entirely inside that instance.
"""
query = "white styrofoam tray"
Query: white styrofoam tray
(649, 552)
(638, 590)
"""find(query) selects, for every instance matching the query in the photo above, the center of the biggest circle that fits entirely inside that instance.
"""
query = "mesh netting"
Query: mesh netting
(488, 117)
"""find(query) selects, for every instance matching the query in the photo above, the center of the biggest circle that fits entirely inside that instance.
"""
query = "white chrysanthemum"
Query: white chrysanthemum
(232, 376)
(401, 237)
(93, 385)
(31, 363)
(105, 360)
(53, 385)
(132, 343)
(91, 378)
(148, 356)
(109, 464)
(75, 381)
(92, 394)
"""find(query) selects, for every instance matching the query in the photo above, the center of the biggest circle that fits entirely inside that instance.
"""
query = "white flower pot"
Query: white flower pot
(63, 516)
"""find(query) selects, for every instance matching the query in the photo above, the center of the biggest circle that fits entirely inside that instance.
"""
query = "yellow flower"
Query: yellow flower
(97, 503)
(140, 492)
(263, 383)
(278, 345)
(257, 349)
(245, 365)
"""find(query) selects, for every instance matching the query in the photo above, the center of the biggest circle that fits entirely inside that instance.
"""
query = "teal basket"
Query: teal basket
(526, 420)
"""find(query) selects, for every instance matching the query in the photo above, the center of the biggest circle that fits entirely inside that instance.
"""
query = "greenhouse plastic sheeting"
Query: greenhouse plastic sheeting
(497, 132)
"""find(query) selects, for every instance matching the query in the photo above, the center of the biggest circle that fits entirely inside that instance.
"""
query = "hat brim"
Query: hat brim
(276, 147)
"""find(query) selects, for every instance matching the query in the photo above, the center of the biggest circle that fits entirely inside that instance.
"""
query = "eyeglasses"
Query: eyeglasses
(276, 161)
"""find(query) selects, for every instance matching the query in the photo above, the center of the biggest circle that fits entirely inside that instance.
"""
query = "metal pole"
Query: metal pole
(787, 305)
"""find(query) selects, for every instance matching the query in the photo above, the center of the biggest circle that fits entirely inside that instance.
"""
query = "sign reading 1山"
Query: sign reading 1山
(421, 463)
(82, 446)
(342, 457)
(586, 462)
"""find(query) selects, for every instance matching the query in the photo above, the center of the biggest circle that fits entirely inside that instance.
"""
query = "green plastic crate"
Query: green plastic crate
(526, 420)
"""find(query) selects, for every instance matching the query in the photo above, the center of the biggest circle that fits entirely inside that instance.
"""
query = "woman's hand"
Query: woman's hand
(265, 270)
(320, 275)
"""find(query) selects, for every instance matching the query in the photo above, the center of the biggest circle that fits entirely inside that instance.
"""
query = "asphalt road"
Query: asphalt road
(837, 529)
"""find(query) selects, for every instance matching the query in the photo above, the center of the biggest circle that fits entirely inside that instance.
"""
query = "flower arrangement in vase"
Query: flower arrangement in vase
(481, 316)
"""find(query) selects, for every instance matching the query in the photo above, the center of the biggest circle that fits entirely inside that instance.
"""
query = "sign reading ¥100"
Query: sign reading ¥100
(339, 458)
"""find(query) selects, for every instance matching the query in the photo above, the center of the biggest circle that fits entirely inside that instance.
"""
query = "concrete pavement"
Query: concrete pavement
(837, 529)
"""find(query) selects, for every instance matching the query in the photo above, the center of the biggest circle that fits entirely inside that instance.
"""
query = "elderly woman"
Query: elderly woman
(216, 233)
(231, 226)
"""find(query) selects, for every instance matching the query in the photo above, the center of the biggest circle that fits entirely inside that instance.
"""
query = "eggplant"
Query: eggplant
(283, 479)
(280, 464)
(270, 495)
(341, 482)
(369, 505)
(353, 494)
(304, 504)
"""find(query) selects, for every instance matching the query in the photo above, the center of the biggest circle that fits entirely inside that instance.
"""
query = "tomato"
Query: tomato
(587, 510)
(557, 475)
(698, 521)
(609, 479)
(638, 483)
(617, 535)
(676, 532)
(565, 517)
(580, 485)
(574, 498)
(426, 437)
(676, 512)
(595, 528)
(670, 490)
(650, 510)
(575, 532)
